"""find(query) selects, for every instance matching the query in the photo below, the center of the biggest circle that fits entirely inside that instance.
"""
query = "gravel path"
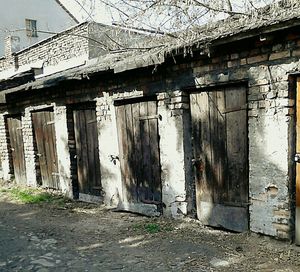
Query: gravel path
(85, 237)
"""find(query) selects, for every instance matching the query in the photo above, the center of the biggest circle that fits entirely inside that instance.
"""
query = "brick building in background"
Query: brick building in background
(30, 21)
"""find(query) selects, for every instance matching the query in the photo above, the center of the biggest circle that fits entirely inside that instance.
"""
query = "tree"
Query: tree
(180, 20)
(174, 15)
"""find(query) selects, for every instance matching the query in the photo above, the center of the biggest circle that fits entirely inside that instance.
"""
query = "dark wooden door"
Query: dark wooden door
(14, 125)
(139, 151)
(44, 131)
(87, 151)
(219, 132)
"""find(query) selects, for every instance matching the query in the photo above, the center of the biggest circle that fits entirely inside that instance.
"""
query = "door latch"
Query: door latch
(297, 157)
(114, 159)
(196, 161)
(198, 164)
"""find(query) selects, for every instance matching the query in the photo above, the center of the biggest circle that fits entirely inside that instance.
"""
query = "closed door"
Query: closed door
(137, 125)
(220, 147)
(87, 151)
(14, 125)
(44, 131)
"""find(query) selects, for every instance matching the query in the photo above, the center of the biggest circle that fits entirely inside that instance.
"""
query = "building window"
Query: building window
(31, 30)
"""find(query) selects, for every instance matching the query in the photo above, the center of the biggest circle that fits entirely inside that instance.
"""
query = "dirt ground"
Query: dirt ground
(74, 236)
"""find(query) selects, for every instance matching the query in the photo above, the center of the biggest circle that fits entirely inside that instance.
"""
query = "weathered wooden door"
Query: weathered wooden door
(14, 125)
(44, 131)
(139, 151)
(219, 132)
(87, 152)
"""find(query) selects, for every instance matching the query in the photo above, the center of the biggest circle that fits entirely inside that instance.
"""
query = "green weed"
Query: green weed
(152, 228)
(31, 196)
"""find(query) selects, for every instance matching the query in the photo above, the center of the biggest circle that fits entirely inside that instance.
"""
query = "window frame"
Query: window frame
(31, 28)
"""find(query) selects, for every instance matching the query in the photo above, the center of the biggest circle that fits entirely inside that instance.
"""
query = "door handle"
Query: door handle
(297, 157)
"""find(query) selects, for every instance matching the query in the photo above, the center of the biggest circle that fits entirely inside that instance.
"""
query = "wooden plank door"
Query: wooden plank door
(14, 125)
(139, 151)
(44, 131)
(87, 152)
(297, 160)
(220, 147)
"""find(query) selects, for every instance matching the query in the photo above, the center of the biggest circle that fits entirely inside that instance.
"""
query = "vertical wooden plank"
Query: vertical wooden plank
(83, 153)
(14, 126)
(213, 120)
(137, 146)
(53, 151)
(221, 146)
(119, 121)
(43, 144)
(145, 142)
(96, 162)
(131, 167)
(76, 116)
(196, 142)
(123, 140)
(237, 145)
(13, 145)
(89, 150)
(11, 132)
(20, 150)
(47, 145)
(196, 146)
(205, 101)
(154, 151)
(297, 227)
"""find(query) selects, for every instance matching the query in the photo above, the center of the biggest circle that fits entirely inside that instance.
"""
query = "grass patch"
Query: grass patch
(152, 227)
(30, 196)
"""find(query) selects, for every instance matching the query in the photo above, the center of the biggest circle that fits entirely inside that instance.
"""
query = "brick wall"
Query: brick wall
(63, 46)
(4, 149)
(66, 45)
(88, 39)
